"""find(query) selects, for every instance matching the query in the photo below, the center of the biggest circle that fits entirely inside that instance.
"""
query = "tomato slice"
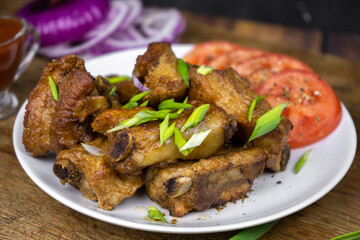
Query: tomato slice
(259, 69)
(204, 52)
(314, 109)
(235, 57)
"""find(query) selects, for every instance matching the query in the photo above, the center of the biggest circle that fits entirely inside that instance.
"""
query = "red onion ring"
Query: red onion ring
(164, 25)
(134, 11)
(139, 85)
(64, 21)
(113, 20)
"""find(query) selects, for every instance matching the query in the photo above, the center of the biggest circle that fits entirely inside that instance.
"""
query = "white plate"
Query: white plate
(274, 195)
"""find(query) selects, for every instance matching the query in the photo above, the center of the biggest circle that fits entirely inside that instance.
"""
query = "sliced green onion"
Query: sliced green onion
(254, 233)
(118, 79)
(125, 124)
(268, 122)
(155, 114)
(253, 104)
(155, 214)
(348, 236)
(180, 142)
(53, 89)
(204, 70)
(171, 105)
(113, 91)
(302, 160)
(143, 116)
(139, 96)
(130, 105)
(196, 117)
(133, 101)
(184, 102)
(196, 140)
(163, 126)
(183, 70)
(144, 104)
(169, 131)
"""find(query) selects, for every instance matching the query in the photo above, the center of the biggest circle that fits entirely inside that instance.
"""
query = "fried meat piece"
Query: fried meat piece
(132, 149)
(66, 131)
(226, 89)
(51, 125)
(157, 70)
(94, 176)
(126, 90)
(41, 105)
(198, 185)
(112, 117)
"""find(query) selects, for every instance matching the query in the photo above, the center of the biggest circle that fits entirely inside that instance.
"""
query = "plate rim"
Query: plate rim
(170, 228)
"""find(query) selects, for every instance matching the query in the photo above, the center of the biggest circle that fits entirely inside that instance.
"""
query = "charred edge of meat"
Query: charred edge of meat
(66, 171)
(178, 186)
(230, 130)
(285, 156)
(103, 86)
(120, 147)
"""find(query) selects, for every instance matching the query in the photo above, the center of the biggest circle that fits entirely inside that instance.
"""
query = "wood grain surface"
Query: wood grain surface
(26, 212)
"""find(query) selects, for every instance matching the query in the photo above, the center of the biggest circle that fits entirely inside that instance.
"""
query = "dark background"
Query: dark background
(327, 15)
(337, 20)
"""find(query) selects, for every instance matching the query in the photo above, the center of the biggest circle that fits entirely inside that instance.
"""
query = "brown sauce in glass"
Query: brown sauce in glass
(10, 52)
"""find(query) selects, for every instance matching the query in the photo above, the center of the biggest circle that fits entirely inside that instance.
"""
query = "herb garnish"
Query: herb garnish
(252, 106)
(183, 70)
(204, 70)
(196, 117)
(114, 80)
(268, 122)
(112, 91)
(196, 140)
(180, 142)
(130, 105)
(171, 105)
(184, 102)
(165, 131)
(53, 89)
(142, 117)
(186, 147)
(144, 104)
(254, 233)
(302, 160)
(155, 214)
(348, 236)
(133, 101)
(139, 96)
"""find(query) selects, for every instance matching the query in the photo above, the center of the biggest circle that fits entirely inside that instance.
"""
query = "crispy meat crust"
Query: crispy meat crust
(66, 131)
(51, 125)
(135, 148)
(126, 90)
(186, 186)
(226, 89)
(94, 176)
(112, 117)
(41, 105)
(157, 70)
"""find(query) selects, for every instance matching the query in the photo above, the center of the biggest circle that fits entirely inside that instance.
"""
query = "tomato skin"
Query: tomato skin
(204, 52)
(258, 69)
(314, 109)
(235, 57)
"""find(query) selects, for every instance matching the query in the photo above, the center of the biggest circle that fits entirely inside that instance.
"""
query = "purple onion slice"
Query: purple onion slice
(139, 85)
(64, 21)
(116, 16)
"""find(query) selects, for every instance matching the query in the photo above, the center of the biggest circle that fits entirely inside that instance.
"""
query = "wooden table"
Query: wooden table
(26, 212)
